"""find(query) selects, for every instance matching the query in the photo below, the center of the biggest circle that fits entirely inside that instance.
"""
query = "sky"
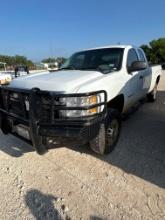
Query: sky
(39, 29)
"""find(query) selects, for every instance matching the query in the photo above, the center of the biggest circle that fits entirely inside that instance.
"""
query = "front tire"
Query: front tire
(108, 135)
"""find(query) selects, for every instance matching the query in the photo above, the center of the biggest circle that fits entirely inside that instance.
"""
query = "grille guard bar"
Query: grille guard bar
(35, 110)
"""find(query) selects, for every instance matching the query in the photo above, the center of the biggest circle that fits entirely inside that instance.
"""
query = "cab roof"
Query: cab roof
(111, 46)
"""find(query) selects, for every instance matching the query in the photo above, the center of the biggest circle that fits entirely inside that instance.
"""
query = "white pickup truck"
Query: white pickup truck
(84, 99)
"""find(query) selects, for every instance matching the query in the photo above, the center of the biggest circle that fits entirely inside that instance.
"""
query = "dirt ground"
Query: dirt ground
(75, 183)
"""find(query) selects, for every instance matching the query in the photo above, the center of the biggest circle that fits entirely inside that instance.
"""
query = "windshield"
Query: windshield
(103, 60)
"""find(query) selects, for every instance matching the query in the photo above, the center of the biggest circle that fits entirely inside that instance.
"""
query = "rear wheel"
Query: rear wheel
(152, 95)
(108, 135)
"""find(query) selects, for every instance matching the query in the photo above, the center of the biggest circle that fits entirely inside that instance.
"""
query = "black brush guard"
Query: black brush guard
(39, 111)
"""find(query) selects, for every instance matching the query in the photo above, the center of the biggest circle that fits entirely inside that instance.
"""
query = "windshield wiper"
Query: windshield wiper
(91, 69)
(102, 68)
(81, 68)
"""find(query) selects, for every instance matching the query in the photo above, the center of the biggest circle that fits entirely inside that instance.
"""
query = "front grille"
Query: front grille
(49, 113)
(14, 103)
(17, 104)
(4, 100)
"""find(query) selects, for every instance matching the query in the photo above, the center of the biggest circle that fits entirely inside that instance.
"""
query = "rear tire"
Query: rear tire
(152, 95)
(108, 135)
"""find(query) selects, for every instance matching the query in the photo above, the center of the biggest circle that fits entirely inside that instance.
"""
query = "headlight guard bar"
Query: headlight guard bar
(35, 96)
(13, 107)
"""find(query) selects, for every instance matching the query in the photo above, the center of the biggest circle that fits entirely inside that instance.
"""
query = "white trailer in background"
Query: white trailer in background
(5, 78)
(4, 65)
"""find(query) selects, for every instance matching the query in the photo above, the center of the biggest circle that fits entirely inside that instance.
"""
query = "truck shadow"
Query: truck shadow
(13, 146)
(141, 147)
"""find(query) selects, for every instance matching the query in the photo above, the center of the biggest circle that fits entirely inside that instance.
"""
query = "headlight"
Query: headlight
(80, 102)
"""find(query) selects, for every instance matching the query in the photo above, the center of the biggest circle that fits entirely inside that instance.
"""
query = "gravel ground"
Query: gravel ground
(74, 183)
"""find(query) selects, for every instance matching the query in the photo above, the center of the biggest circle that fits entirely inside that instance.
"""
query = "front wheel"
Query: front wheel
(108, 135)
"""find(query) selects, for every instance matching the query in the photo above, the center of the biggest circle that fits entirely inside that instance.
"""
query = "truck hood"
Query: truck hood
(62, 81)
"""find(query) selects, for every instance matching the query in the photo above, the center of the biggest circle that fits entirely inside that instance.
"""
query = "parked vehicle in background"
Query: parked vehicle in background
(53, 66)
(83, 100)
(21, 70)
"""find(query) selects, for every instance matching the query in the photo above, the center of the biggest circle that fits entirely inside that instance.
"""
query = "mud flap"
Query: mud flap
(34, 116)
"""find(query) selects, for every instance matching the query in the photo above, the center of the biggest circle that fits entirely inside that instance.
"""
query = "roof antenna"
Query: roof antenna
(51, 50)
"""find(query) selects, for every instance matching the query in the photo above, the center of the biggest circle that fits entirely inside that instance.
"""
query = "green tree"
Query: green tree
(16, 60)
(61, 60)
(49, 60)
(155, 51)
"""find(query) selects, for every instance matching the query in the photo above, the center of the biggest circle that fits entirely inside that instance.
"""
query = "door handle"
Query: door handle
(141, 77)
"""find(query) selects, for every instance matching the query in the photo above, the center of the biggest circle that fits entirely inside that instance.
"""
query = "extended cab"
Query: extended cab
(84, 99)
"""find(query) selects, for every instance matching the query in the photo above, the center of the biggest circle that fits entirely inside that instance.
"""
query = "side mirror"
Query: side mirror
(137, 66)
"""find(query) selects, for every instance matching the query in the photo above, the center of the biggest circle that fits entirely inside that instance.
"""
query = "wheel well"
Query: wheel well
(157, 80)
(117, 103)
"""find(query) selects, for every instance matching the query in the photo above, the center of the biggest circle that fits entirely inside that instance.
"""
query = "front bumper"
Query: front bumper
(42, 118)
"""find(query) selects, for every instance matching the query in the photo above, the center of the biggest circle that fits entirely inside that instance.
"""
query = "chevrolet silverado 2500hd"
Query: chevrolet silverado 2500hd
(84, 99)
